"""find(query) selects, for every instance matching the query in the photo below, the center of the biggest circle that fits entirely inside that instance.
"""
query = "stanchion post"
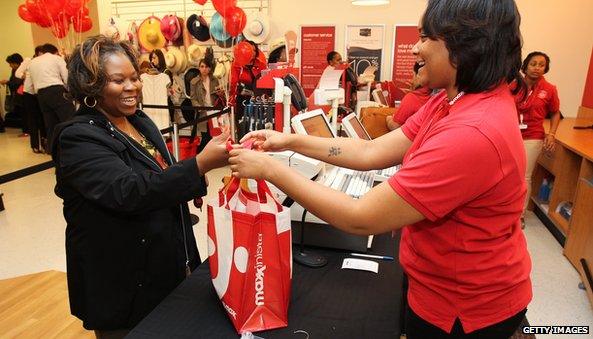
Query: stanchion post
(175, 141)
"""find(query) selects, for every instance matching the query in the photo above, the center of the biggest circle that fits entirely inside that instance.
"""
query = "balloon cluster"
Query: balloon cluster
(234, 17)
(57, 15)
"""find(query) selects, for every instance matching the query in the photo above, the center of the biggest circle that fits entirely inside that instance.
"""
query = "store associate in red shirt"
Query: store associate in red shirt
(460, 191)
(411, 102)
(535, 103)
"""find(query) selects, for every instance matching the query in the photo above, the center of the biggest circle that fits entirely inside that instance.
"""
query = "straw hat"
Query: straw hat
(219, 70)
(149, 34)
(276, 44)
(198, 27)
(171, 27)
(195, 53)
(175, 60)
(257, 28)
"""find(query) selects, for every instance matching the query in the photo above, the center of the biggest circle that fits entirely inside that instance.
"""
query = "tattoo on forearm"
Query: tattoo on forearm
(334, 151)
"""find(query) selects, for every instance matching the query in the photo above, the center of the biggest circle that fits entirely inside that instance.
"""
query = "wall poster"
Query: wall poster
(364, 47)
(402, 67)
(316, 43)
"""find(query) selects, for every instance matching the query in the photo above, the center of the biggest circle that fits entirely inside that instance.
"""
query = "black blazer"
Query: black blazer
(128, 228)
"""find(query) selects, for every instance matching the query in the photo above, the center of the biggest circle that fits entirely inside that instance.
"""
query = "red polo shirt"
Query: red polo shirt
(465, 173)
(411, 103)
(540, 101)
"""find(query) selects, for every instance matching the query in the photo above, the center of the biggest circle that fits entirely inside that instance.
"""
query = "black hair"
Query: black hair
(534, 54)
(162, 65)
(274, 57)
(331, 55)
(39, 49)
(49, 48)
(86, 70)
(208, 64)
(14, 58)
(483, 40)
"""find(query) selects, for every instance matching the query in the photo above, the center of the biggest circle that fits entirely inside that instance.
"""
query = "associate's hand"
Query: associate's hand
(268, 140)
(214, 155)
(549, 143)
(251, 164)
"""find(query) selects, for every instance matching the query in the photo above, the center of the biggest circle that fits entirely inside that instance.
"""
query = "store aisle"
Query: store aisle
(16, 153)
(32, 240)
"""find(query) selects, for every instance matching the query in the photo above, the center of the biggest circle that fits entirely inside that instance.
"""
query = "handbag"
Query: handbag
(250, 255)
(374, 120)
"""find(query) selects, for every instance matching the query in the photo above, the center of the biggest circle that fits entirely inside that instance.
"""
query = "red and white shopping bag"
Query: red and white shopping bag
(250, 254)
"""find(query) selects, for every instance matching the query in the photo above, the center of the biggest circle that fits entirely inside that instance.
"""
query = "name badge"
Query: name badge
(522, 126)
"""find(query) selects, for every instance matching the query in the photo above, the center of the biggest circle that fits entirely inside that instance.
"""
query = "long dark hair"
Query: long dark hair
(483, 39)
(162, 65)
(86, 70)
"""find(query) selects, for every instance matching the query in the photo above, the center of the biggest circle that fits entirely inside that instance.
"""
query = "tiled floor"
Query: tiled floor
(32, 239)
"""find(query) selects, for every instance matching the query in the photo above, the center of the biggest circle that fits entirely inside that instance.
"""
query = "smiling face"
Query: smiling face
(119, 97)
(436, 70)
(536, 67)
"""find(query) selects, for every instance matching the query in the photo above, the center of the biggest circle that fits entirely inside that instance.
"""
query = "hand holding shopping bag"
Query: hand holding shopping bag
(249, 248)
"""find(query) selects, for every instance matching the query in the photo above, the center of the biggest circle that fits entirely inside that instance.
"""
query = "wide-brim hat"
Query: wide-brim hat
(276, 44)
(219, 70)
(198, 27)
(171, 27)
(195, 53)
(149, 34)
(175, 60)
(257, 28)
(217, 30)
(116, 29)
(228, 43)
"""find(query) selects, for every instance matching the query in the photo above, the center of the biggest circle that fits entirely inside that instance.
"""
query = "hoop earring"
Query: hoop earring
(87, 104)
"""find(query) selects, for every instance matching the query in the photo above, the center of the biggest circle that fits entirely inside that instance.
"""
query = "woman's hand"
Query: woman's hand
(251, 164)
(268, 140)
(214, 155)
(549, 143)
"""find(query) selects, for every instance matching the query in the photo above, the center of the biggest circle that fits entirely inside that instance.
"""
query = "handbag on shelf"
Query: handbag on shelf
(374, 119)
(250, 255)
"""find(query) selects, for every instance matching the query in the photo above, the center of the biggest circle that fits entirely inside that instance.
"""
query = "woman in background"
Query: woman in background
(411, 102)
(534, 104)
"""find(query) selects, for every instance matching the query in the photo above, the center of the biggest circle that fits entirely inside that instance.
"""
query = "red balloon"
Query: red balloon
(83, 24)
(244, 53)
(59, 29)
(43, 21)
(261, 62)
(222, 6)
(235, 21)
(25, 14)
(35, 8)
(200, 2)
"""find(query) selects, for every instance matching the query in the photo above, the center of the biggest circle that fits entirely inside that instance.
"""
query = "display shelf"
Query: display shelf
(586, 170)
(559, 221)
(567, 166)
(543, 206)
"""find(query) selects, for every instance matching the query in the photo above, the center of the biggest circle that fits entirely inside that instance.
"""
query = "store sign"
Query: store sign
(364, 47)
(316, 43)
(405, 37)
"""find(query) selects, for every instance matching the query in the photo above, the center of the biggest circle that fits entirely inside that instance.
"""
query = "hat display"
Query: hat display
(171, 27)
(225, 43)
(198, 27)
(132, 34)
(149, 34)
(217, 30)
(257, 28)
(195, 53)
(175, 60)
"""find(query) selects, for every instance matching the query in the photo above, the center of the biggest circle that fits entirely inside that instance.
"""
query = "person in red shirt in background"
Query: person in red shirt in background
(411, 102)
(459, 194)
(538, 101)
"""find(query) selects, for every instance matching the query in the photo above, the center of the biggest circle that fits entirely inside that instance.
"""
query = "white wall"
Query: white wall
(562, 29)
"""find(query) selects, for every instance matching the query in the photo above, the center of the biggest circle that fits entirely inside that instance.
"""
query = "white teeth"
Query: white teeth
(129, 101)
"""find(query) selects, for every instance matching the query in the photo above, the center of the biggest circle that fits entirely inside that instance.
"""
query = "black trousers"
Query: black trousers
(418, 328)
(54, 107)
(35, 121)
